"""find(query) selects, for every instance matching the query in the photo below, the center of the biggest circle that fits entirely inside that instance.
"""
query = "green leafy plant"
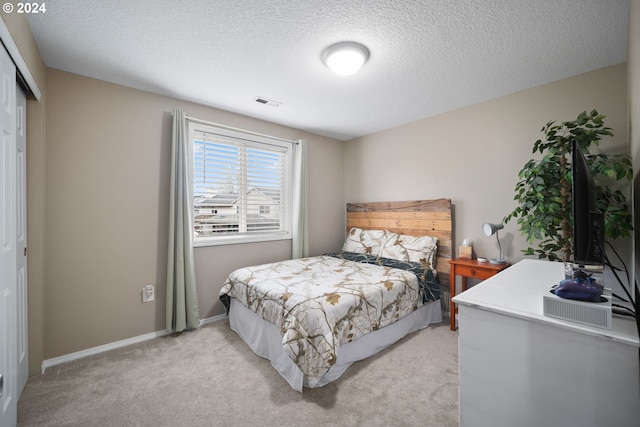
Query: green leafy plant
(543, 190)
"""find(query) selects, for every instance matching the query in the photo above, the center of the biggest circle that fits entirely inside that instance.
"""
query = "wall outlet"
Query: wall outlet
(148, 293)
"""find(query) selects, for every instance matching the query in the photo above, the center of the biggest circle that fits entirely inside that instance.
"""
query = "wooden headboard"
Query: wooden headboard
(415, 218)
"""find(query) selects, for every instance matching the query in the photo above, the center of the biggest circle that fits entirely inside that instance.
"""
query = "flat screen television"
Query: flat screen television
(588, 222)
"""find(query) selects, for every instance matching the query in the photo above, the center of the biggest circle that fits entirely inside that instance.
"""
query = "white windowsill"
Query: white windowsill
(233, 240)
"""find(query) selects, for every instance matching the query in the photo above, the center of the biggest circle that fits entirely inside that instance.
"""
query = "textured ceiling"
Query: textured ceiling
(427, 57)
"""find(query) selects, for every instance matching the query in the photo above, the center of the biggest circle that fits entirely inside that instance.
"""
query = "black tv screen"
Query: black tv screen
(588, 222)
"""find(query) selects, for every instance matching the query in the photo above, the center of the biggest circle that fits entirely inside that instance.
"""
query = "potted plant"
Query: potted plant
(543, 190)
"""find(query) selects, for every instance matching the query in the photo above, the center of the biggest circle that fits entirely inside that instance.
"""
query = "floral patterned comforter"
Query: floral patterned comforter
(322, 302)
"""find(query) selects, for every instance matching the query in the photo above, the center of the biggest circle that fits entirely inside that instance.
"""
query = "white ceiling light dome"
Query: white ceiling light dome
(345, 58)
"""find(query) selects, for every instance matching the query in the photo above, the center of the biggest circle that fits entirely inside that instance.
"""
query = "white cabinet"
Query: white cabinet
(521, 368)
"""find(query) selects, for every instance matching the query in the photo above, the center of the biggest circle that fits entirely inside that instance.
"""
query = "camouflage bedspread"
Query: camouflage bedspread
(322, 302)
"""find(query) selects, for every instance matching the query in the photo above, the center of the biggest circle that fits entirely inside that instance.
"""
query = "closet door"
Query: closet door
(21, 241)
(8, 236)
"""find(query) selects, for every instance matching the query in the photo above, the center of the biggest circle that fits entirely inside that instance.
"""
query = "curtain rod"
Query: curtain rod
(205, 122)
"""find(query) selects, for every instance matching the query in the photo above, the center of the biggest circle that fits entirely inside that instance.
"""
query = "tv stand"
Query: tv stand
(519, 367)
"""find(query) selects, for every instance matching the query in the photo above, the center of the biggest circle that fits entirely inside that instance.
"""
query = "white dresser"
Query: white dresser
(521, 368)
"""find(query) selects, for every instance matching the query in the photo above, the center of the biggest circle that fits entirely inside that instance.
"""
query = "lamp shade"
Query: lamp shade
(490, 229)
(345, 58)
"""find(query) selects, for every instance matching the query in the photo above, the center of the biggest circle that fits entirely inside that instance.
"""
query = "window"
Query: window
(241, 186)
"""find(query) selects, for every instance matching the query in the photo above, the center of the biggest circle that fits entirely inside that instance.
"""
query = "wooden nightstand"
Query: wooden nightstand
(468, 268)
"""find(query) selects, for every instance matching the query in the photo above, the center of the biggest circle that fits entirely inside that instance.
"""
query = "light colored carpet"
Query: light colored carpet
(209, 377)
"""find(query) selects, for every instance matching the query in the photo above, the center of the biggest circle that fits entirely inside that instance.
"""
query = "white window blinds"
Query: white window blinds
(241, 185)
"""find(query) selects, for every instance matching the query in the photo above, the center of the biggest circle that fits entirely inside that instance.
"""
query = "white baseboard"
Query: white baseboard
(118, 344)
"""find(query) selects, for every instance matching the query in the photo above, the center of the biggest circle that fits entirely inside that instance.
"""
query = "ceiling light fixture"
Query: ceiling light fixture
(345, 58)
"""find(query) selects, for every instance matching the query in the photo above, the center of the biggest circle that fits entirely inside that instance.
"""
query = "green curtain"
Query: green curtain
(300, 234)
(182, 298)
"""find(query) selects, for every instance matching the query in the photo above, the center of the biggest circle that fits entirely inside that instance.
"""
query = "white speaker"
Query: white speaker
(596, 314)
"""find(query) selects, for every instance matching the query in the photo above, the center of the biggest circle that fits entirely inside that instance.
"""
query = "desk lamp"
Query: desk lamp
(491, 229)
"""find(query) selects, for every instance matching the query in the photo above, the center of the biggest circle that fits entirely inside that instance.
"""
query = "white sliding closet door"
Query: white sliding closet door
(8, 240)
(21, 240)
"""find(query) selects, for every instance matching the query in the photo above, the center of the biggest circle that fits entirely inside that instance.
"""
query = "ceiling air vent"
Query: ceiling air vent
(266, 101)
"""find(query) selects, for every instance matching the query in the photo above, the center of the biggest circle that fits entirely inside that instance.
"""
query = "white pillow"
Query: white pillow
(364, 241)
(421, 249)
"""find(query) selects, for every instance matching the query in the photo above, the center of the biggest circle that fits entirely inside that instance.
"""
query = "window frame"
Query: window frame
(250, 139)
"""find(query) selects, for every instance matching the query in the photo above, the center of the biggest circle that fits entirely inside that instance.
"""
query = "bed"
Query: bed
(314, 317)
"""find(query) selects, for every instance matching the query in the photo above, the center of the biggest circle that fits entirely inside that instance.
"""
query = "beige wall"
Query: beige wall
(107, 200)
(473, 155)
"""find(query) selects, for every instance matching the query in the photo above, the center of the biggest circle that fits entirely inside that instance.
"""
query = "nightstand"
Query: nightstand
(468, 268)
